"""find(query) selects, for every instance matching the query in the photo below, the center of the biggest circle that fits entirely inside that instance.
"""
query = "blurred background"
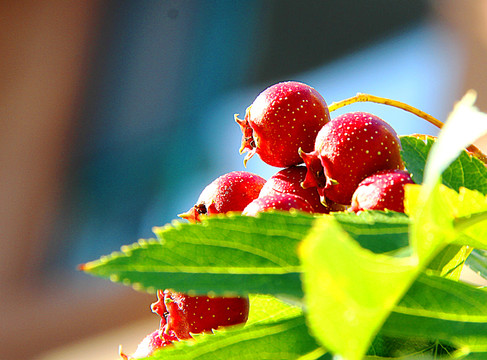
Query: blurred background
(115, 115)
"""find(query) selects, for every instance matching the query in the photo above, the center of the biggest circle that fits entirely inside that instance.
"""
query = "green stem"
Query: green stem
(464, 222)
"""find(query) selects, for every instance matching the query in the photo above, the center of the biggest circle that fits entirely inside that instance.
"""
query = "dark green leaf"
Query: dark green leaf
(414, 154)
(465, 171)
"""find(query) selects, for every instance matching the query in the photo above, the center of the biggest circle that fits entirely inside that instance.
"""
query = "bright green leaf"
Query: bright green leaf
(267, 309)
(432, 223)
(460, 207)
(449, 261)
(466, 354)
(432, 226)
(349, 290)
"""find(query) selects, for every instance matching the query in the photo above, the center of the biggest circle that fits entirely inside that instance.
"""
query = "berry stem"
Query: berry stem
(380, 100)
(360, 97)
(462, 223)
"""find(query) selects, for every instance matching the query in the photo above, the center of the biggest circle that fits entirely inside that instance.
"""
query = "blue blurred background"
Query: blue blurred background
(115, 115)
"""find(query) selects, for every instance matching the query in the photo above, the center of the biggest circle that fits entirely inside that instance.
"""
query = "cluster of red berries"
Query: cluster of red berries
(351, 162)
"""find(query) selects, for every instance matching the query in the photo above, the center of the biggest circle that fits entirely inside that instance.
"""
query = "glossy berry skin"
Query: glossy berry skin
(152, 342)
(347, 150)
(282, 119)
(288, 181)
(183, 315)
(284, 202)
(230, 192)
(381, 191)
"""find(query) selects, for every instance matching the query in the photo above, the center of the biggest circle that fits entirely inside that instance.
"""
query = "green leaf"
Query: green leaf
(238, 253)
(414, 154)
(269, 309)
(477, 261)
(376, 231)
(355, 268)
(349, 290)
(465, 171)
(466, 354)
(222, 254)
(433, 222)
(466, 210)
(432, 227)
(464, 125)
(385, 347)
(449, 261)
(283, 339)
(436, 308)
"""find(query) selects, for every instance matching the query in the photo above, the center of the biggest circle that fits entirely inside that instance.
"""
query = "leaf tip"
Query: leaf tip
(86, 267)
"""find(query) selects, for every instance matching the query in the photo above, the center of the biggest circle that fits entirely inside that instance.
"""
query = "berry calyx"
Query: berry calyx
(183, 315)
(381, 191)
(288, 181)
(277, 201)
(348, 149)
(230, 192)
(283, 118)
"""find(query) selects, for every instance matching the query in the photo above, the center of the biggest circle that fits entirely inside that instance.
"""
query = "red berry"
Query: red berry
(229, 192)
(381, 191)
(152, 342)
(277, 201)
(182, 314)
(288, 181)
(283, 118)
(347, 150)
